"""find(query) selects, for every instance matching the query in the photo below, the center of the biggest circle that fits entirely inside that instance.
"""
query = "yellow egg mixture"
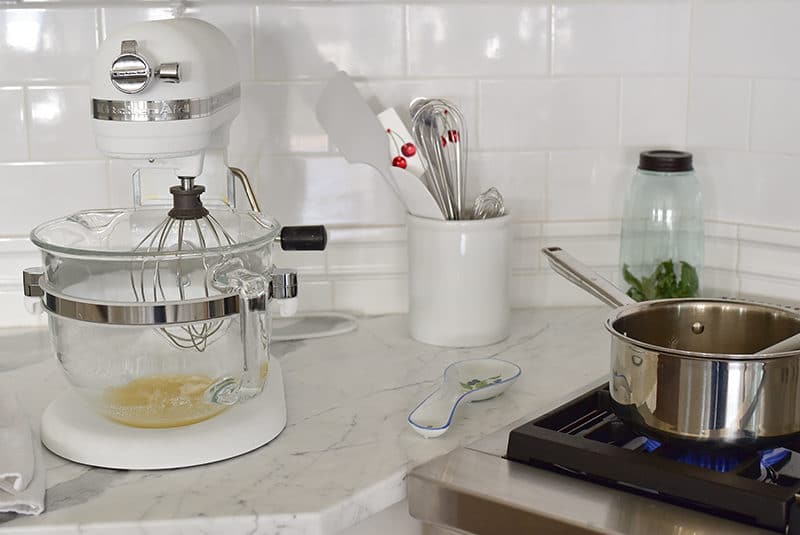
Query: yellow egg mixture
(163, 400)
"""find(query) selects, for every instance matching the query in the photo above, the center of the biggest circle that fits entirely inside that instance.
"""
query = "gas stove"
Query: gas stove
(584, 439)
(575, 468)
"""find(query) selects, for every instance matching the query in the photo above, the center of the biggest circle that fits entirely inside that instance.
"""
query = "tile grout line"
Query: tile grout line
(406, 41)
(738, 259)
(751, 103)
(620, 86)
(253, 26)
(26, 119)
(689, 75)
(552, 40)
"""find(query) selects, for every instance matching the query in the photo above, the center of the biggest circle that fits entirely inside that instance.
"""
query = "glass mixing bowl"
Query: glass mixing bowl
(166, 327)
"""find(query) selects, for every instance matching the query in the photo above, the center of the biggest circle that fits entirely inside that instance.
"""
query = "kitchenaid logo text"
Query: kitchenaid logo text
(163, 110)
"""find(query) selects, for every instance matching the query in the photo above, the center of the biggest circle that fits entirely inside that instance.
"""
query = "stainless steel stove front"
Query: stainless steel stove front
(475, 490)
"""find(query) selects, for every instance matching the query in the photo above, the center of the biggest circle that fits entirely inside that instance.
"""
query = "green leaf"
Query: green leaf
(635, 294)
(638, 290)
(665, 281)
(630, 279)
(690, 282)
(649, 288)
(474, 384)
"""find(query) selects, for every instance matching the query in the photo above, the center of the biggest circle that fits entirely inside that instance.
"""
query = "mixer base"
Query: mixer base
(73, 430)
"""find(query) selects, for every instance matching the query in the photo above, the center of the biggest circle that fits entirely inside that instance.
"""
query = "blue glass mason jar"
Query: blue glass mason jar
(662, 249)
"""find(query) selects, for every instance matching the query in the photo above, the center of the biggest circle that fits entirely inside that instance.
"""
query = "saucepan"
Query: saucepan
(710, 373)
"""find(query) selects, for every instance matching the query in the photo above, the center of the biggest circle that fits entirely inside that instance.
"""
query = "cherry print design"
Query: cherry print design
(406, 148)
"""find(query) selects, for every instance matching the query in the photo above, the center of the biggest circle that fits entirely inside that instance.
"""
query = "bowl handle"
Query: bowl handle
(254, 293)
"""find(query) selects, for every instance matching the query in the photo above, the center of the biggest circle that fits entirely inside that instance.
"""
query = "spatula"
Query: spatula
(355, 130)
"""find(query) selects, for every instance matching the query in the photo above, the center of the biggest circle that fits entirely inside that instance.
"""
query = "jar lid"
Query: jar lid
(666, 161)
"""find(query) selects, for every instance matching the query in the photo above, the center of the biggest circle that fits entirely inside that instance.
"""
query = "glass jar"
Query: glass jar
(662, 250)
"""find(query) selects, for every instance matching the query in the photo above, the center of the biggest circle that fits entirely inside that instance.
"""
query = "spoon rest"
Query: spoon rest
(466, 380)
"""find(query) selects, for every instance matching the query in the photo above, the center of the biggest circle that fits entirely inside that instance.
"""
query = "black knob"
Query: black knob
(304, 238)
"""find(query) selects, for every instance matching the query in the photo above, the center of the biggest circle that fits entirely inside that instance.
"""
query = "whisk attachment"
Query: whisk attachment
(188, 227)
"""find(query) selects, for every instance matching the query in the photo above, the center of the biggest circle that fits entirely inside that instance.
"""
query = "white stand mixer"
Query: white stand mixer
(164, 94)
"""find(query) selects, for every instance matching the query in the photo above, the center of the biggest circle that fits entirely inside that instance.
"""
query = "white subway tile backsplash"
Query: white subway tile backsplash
(621, 37)
(278, 119)
(44, 45)
(525, 254)
(653, 111)
(59, 125)
(750, 188)
(478, 40)
(771, 289)
(16, 254)
(776, 116)
(559, 98)
(721, 253)
(380, 258)
(521, 177)
(314, 295)
(746, 38)
(524, 231)
(596, 251)
(721, 245)
(772, 236)
(380, 295)
(719, 112)
(233, 19)
(305, 262)
(366, 234)
(718, 229)
(300, 42)
(13, 134)
(588, 184)
(720, 283)
(326, 190)
(766, 259)
(521, 289)
(36, 192)
(581, 229)
(545, 113)
(548, 289)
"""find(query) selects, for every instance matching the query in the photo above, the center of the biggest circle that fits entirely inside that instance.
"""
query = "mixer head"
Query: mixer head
(163, 93)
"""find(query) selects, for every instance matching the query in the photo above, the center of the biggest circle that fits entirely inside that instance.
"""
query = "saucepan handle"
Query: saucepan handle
(585, 278)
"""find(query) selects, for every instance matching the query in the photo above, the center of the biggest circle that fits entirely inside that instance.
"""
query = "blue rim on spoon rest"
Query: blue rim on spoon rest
(473, 380)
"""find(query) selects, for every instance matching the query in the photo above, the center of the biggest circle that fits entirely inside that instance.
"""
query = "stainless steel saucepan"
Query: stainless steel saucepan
(695, 371)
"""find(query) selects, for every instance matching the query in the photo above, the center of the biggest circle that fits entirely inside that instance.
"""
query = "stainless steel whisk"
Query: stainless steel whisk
(188, 226)
(439, 128)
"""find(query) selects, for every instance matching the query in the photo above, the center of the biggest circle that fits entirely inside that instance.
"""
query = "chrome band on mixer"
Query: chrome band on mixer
(163, 110)
(143, 314)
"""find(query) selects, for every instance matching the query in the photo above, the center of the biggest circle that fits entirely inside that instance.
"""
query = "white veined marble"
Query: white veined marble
(346, 449)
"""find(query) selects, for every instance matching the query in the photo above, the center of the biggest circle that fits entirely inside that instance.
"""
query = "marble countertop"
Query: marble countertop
(346, 449)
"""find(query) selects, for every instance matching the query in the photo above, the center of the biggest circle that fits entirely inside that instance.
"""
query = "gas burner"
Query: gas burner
(584, 439)
(719, 461)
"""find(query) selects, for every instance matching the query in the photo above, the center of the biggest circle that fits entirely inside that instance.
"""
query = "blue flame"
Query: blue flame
(722, 463)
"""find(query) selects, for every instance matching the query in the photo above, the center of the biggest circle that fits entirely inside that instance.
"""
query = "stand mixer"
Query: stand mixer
(159, 314)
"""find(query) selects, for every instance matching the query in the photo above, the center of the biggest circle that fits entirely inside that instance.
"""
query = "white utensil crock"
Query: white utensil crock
(458, 280)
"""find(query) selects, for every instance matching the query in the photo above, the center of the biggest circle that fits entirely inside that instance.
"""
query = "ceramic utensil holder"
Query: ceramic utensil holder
(459, 275)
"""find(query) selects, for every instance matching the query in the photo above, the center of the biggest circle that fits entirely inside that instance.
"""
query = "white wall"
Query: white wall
(560, 99)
